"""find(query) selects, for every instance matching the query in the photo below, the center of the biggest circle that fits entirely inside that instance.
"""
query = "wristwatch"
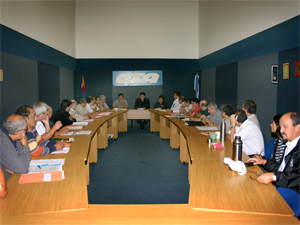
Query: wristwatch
(274, 177)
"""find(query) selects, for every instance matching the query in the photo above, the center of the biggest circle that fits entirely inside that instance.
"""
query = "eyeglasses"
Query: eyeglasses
(256, 173)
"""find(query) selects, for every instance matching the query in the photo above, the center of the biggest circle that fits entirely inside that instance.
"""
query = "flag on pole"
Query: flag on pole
(83, 95)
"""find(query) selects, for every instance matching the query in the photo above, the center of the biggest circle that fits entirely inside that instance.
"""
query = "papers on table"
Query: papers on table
(163, 110)
(80, 123)
(83, 132)
(75, 127)
(186, 119)
(98, 116)
(122, 109)
(206, 128)
(63, 151)
(104, 113)
(140, 109)
(88, 120)
(43, 170)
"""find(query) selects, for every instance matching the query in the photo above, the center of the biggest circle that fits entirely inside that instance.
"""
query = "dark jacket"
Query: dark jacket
(140, 104)
(63, 116)
(290, 177)
(163, 105)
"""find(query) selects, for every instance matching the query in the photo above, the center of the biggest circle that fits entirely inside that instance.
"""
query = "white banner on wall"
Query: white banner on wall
(137, 78)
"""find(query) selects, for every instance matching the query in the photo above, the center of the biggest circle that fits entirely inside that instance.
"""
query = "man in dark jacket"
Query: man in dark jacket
(142, 103)
(288, 173)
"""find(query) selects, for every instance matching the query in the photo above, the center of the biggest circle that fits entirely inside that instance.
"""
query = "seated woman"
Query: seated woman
(276, 158)
(161, 103)
(63, 114)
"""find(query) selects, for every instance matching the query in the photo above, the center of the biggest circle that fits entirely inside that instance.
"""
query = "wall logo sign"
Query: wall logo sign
(137, 78)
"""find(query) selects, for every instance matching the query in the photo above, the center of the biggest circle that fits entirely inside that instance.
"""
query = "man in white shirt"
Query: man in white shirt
(176, 101)
(249, 107)
(251, 136)
(90, 104)
(178, 107)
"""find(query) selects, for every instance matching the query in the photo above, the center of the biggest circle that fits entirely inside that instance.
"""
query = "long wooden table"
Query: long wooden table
(217, 194)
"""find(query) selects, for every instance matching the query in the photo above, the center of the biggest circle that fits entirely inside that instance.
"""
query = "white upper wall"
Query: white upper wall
(50, 22)
(137, 29)
(222, 23)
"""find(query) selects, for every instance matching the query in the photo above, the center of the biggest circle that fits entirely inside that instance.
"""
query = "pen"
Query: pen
(39, 167)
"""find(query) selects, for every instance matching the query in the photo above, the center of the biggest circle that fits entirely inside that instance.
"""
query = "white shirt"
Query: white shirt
(253, 141)
(289, 147)
(177, 108)
(40, 128)
(254, 119)
(89, 108)
(175, 104)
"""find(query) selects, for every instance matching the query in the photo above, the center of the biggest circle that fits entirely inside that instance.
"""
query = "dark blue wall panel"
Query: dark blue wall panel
(19, 44)
(49, 89)
(278, 38)
(288, 93)
(226, 84)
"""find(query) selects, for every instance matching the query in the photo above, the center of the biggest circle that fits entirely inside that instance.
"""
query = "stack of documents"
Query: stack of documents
(83, 132)
(88, 120)
(75, 127)
(80, 123)
(105, 113)
(206, 128)
(43, 170)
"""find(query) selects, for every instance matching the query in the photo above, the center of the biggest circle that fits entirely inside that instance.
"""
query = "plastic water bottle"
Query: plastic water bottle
(237, 149)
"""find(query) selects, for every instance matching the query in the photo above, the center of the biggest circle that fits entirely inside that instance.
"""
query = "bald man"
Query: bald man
(14, 150)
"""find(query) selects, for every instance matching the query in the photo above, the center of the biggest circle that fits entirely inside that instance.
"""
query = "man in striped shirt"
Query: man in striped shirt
(37, 145)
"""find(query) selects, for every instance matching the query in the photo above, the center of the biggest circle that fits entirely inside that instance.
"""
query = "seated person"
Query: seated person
(120, 102)
(226, 111)
(63, 114)
(90, 106)
(175, 102)
(196, 107)
(161, 103)
(81, 110)
(44, 126)
(287, 175)
(73, 112)
(14, 150)
(3, 189)
(279, 147)
(178, 107)
(203, 109)
(37, 145)
(142, 103)
(102, 105)
(251, 136)
(215, 118)
(186, 107)
(249, 107)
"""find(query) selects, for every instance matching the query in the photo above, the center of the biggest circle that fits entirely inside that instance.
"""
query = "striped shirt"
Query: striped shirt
(37, 145)
(279, 151)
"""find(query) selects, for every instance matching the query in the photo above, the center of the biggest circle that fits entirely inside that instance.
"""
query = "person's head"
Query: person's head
(275, 128)
(161, 99)
(65, 104)
(15, 126)
(203, 105)
(142, 96)
(97, 100)
(290, 126)
(82, 102)
(187, 102)
(41, 110)
(249, 107)
(29, 114)
(195, 102)
(102, 98)
(73, 104)
(120, 96)
(241, 117)
(176, 94)
(50, 112)
(90, 100)
(181, 99)
(212, 108)
(226, 110)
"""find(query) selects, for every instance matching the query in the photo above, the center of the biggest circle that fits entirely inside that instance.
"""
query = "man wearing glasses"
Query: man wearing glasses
(14, 150)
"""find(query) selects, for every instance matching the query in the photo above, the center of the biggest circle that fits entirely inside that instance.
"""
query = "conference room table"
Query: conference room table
(217, 194)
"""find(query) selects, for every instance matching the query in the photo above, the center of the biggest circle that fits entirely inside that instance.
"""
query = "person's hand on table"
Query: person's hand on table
(257, 161)
(59, 145)
(265, 178)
